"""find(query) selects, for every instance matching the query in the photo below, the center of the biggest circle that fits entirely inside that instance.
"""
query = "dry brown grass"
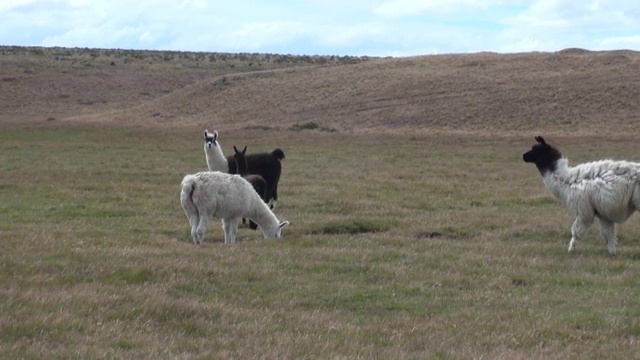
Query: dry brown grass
(568, 92)
(40, 84)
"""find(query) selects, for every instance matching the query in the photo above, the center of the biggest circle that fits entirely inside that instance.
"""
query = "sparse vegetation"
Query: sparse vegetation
(235, 59)
(416, 230)
(311, 126)
(260, 128)
(353, 226)
(480, 93)
(97, 259)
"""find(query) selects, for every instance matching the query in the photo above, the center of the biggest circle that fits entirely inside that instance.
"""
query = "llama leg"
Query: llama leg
(273, 201)
(230, 227)
(578, 229)
(273, 198)
(608, 234)
(227, 232)
(192, 213)
(194, 220)
(233, 228)
(202, 228)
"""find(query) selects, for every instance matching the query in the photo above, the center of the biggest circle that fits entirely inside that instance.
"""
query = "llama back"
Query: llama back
(606, 187)
(213, 188)
(261, 163)
(268, 166)
(609, 171)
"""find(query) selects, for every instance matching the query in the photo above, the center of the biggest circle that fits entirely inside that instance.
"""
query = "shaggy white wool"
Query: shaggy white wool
(606, 189)
(210, 194)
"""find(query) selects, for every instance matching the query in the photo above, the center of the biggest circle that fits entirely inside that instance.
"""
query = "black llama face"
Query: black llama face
(210, 140)
(543, 155)
(241, 160)
(243, 152)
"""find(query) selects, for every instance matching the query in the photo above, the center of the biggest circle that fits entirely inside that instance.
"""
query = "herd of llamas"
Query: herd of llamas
(243, 186)
(235, 187)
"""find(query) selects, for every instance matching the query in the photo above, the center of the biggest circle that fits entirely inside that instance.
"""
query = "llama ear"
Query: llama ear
(540, 140)
(283, 224)
(206, 134)
(244, 150)
(215, 135)
(235, 149)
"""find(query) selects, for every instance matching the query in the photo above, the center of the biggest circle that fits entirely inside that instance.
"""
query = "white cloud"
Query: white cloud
(401, 8)
(582, 15)
(259, 35)
(12, 4)
(336, 27)
(549, 25)
(343, 36)
(620, 42)
(193, 4)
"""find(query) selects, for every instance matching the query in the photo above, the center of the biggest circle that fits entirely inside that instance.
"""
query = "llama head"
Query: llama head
(241, 161)
(238, 153)
(210, 139)
(273, 230)
(216, 161)
(543, 155)
(279, 230)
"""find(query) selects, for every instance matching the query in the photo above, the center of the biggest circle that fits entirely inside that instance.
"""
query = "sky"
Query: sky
(324, 27)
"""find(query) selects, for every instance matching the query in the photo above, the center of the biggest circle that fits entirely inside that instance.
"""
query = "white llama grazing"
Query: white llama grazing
(210, 194)
(608, 190)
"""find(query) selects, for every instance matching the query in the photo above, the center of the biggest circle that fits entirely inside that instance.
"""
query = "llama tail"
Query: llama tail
(278, 153)
(186, 195)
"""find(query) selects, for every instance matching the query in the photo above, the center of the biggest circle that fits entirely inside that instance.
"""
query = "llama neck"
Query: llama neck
(241, 166)
(560, 180)
(215, 158)
(265, 218)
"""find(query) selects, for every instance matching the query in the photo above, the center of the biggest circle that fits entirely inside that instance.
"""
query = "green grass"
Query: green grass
(400, 247)
(352, 226)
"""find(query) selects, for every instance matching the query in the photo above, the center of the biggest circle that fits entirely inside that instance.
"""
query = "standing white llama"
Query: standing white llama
(210, 194)
(606, 189)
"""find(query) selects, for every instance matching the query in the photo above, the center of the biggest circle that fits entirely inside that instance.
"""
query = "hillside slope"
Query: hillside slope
(572, 91)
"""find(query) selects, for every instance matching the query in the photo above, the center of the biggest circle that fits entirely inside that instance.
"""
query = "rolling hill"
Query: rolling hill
(573, 91)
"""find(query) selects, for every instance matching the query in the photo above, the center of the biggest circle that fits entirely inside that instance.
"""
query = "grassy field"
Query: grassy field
(400, 247)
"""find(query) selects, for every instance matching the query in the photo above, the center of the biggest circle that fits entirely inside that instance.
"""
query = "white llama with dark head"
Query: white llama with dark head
(607, 190)
(267, 165)
(210, 194)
